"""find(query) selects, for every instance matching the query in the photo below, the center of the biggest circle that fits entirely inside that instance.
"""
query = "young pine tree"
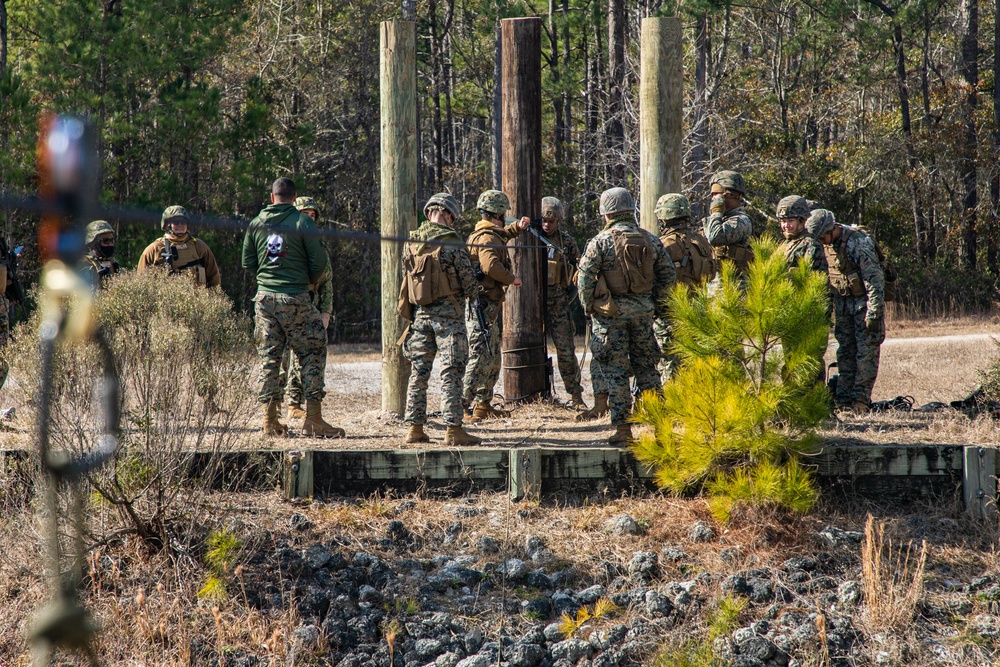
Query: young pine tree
(742, 408)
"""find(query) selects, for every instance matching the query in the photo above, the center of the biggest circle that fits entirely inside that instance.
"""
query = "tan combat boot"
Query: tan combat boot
(486, 411)
(622, 436)
(295, 411)
(456, 435)
(314, 424)
(576, 400)
(271, 424)
(599, 410)
(416, 434)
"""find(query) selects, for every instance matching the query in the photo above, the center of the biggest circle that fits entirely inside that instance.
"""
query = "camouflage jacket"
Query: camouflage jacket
(733, 227)
(599, 256)
(453, 258)
(856, 248)
(97, 270)
(322, 293)
(487, 241)
(806, 246)
(570, 257)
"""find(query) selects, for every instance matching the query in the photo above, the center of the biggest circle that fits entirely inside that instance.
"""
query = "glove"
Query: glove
(104, 272)
(718, 204)
(873, 324)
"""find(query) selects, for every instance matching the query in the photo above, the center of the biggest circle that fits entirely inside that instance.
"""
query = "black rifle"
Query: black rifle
(168, 254)
(16, 291)
(479, 307)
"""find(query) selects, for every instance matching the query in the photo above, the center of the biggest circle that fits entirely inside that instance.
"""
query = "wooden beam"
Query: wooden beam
(523, 352)
(297, 475)
(661, 93)
(399, 192)
(525, 473)
(979, 487)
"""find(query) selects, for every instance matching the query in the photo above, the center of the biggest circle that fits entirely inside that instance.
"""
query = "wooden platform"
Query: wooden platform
(891, 473)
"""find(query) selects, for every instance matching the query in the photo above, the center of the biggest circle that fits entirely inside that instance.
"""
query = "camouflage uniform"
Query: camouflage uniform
(190, 256)
(625, 339)
(729, 231)
(693, 261)
(859, 313)
(285, 262)
(801, 244)
(483, 370)
(438, 328)
(558, 315)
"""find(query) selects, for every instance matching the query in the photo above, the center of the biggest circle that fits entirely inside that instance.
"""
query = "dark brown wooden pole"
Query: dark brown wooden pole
(523, 344)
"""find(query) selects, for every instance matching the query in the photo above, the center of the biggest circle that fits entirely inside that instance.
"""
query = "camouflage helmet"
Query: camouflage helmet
(493, 201)
(96, 228)
(173, 213)
(729, 180)
(445, 201)
(304, 203)
(820, 222)
(793, 206)
(673, 206)
(552, 208)
(616, 200)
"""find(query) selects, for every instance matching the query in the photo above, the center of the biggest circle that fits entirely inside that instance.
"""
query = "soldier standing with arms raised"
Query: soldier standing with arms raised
(637, 272)
(857, 286)
(693, 261)
(558, 317)
(285, 258)
(728, 228)
(491, 264)
(438, 280)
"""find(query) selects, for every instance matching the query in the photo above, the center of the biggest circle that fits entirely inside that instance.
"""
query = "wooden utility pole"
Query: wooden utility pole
(523, 346)
(661, 93)
(399, 192)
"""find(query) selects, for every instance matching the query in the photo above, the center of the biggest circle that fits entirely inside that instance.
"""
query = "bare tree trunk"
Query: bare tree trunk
(567, 108)
(929, 223)
(967, 163)
(616, 87)
(3, 36)
(496, 120)
(992, 249)
(436, 95)
(559, 126)
(911, 158)
(699, 131)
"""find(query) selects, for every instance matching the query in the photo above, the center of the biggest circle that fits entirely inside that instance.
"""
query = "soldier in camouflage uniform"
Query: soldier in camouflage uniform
(322, 298)
(693, 260)
(491, 264)
(624, 275)
(285, 261)
(857, 286)
(728, 228)
(792, 213)
(558, 317)
(180, 252)
(438, 281)
(99, 264)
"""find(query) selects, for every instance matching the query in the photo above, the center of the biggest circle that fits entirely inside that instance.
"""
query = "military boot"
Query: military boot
(416, 434)
(314, 424)
(486, 411)
(622, 436)
(860, 407)
(576, 400)
(295, 411)
(599, 410)
(456, 435)
(271, 424)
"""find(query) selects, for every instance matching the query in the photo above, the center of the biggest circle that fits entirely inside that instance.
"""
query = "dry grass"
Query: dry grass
(893, 579)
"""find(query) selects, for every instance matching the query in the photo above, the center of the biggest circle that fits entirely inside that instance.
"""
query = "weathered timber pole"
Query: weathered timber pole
(399, 192)
(523, 345)
(661, 92)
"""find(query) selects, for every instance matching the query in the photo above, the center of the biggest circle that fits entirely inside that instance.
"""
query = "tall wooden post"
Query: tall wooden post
(661, 93)
(523, 345)
(399, 192)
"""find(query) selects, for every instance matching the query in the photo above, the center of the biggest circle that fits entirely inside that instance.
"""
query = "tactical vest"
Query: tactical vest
(845, 275)
(740, 254)
(558, 269)
(426, 280)
(692, 255)
(634, 258)
(186, 258)
(492, 290)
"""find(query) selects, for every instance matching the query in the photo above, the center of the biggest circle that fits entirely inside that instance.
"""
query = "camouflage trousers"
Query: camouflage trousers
(283, 322)
(669, 361)
(619, 344)
(4, 338)
(429, 337)
(857, 350)
(559, 325)
(483, 370)
(290, 379)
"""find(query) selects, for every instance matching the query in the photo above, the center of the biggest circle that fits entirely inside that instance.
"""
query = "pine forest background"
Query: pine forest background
(885, 112)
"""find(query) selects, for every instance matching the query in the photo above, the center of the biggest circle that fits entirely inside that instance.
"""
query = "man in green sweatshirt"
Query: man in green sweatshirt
(286, 258)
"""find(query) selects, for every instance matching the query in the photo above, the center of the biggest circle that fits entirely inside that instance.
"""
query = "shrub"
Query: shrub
(183, 357)
(744, 404)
